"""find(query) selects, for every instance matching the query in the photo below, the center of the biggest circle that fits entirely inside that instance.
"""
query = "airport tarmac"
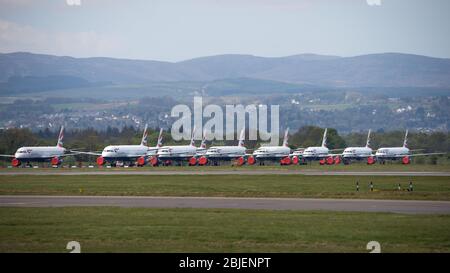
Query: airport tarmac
(224, 172)
(357, 205)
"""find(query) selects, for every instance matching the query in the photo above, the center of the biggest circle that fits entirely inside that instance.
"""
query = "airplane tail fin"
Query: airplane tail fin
(160, 139)
(60, 137)
(405, 142)
(144, 136)
(192, 137)
(324, 139)
(203, 144)
(286, 138)
(368, 139)
(242, 138)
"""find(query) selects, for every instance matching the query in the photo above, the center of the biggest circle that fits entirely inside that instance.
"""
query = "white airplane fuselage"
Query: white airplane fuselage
(124, 152)
(152, 151)
(392, 152)
(298, 153)
(201, 151)
(271, 152)
(315, 153)
(44, 153)
(180, 152)
(357, 153)
(225, 152)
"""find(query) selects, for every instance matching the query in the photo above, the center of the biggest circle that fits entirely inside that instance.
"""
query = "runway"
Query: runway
(226, 172)
(357, 205)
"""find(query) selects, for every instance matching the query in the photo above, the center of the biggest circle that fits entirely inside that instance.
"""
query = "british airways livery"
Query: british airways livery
(52, 154)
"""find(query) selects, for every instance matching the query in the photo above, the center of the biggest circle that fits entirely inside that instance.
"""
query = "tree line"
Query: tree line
(94, 140)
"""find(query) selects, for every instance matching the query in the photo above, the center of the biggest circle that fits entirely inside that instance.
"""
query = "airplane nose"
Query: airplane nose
(20, 154)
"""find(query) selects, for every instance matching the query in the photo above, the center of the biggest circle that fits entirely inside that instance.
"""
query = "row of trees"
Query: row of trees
(93, 140)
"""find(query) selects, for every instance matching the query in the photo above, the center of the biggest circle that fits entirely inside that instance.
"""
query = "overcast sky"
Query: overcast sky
(174, 30)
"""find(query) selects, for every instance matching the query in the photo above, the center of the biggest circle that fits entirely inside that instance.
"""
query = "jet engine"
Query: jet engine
(240, 161)
(55, 161)
(15, 162)
(101, 161)
(406, 160)
(202, 161)
(141, 161)
(330, 160)
(337, 160)
(285, 161)
(192, 161)
(154, 161)
(251, 160)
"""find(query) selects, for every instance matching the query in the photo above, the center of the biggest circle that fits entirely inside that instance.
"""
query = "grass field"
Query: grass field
(212, 230)
(425, 188)
(310, 167)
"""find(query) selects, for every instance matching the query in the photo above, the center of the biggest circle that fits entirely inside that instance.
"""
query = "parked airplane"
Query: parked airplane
(395, 153)
(126, 153)
(52, 154)
(321, 153)
(272, 153)
(317, 152)
(356, 153)
(297, 156)
(153, 151)
(202, 149)
(180, 153)
(216, 154)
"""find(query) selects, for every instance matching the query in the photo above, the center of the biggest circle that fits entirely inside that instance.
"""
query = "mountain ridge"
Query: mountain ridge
(376, 70)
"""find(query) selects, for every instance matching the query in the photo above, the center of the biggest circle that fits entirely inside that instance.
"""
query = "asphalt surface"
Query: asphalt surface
(359, 205)
(226, 172)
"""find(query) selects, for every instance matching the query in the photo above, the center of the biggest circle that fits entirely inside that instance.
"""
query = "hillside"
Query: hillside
(375, 70)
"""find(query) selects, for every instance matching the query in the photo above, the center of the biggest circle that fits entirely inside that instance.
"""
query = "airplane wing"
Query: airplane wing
(85, 153)
(423, 154)
(71, 152)
(334, 154)
(6, 155)
(335, 150)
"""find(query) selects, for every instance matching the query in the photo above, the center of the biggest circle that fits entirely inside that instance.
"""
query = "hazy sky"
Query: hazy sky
(174, 30)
